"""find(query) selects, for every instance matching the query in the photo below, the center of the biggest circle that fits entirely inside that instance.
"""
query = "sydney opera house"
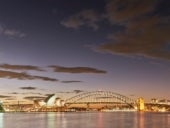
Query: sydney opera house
(51, 102)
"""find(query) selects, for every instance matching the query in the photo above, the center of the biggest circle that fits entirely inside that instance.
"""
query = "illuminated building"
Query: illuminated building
(154, 100)
(164, 101)
(59, 102)
(141, 105)
(51, 101)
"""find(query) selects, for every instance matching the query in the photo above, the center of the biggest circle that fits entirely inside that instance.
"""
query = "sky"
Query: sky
(71, 46)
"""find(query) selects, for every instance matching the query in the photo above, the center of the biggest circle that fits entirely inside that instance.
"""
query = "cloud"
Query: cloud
(145, 23)
(72, 81)
(72, 22)
(3, 96)
(88, 18)
(123, 11)
(23, 76)
(35, 93)
(45, 78)
(14, 33)
(14, 93)
(20, 67)
(11, 32)
(146, 29)
(77, 70)
(78, 91)
(10, 99)
(28, 88)
(48, 95)
(34, 98)
(68, 92)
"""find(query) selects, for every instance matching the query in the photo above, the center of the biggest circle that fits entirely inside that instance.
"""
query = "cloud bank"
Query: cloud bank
(77, 70)
(20, 67)
(146, 33)
(34, 98)
(87, 18)
(19, 72)
(4, 96)
(146, 26)
(23, 76)
(71, 81)
(28, 88)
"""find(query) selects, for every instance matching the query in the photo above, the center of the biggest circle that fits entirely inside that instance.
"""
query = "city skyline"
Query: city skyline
(66, 47)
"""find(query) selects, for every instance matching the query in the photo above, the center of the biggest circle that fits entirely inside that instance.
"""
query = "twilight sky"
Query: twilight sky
(70, 46)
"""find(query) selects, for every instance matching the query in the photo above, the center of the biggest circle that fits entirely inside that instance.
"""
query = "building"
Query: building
(164, 101)
(1, 107)
(52, 101)
(154, 101)
(141, 105)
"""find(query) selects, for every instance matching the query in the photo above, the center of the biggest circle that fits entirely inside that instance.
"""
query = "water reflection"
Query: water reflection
(100, 120)
(141, 120)
(85, 120)
(55, 119)
(1, 120)
(168, 118)
(51, 120)
(61, 120)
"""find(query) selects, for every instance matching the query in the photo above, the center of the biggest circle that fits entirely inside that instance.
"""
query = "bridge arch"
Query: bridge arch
(100, 97)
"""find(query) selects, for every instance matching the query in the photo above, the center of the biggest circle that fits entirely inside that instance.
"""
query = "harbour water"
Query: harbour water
(85, 120)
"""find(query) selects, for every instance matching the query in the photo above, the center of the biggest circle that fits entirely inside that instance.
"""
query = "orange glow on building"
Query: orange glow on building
(141, 105)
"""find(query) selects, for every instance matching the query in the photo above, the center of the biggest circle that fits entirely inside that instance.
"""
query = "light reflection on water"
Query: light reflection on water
(85, 120)
(1, 120)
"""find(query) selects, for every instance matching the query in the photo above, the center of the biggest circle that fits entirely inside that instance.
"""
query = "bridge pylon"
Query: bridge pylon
(140, 104)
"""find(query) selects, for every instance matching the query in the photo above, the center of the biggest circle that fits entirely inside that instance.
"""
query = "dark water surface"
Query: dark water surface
(85, 120)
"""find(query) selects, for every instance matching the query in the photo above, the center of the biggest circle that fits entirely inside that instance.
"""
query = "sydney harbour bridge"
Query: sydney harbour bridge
(95, 100)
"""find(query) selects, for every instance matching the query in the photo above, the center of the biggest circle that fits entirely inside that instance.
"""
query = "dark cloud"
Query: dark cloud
(4, 96)
(86, 17)
(47, 94)
(123, 11)
(34, 93)
(23, 76)
(34, 98)
(20, 67)
(14, 93)
(145, 23)
(46, 78)
(12, 75)
(78, 91)
(28, 88)
(68, 92)
(72, 81)
(147, 31)
(76, 69)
